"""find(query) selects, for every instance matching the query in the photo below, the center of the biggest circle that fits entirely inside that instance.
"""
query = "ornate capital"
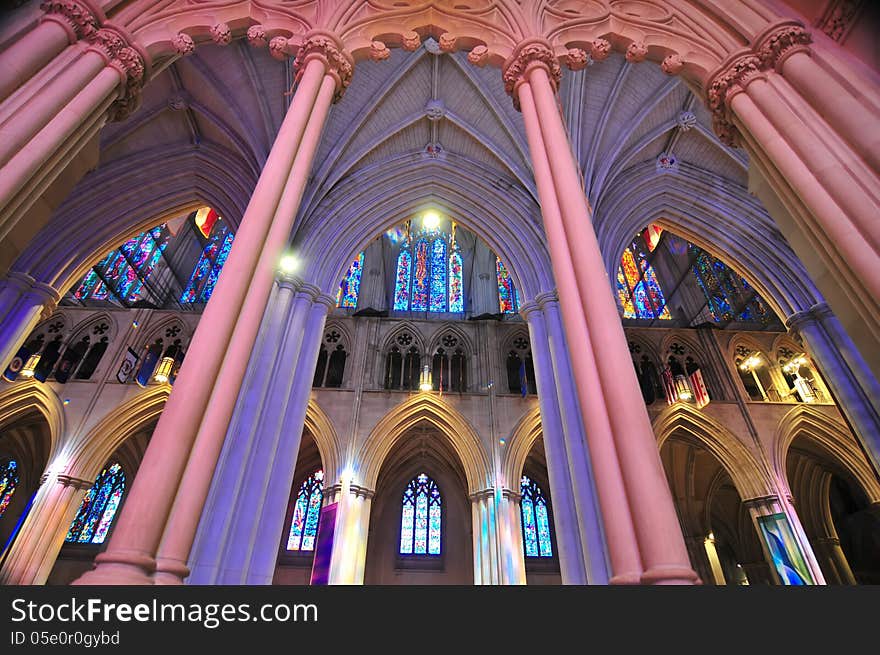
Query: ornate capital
(798, 320)
(528, 52)
(636, 52)
(672, 65)
(128, 61)
(781, 43)
(527, 309)
(577, 59)
(411, 41)
(221, 34)
(362, 492)
(727, 83)
(183, 44)
(76, 483)
(483, 494)
(600, 49)
(511, 495)
(278, 48)
(379, 51)
(547, 299)
(74, 15)
(327, 48)
(479, 55)
(256, 36)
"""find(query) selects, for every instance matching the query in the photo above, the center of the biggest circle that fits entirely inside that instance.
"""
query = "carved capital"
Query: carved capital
(479, 55)
(128, 61)
(723, 87)
(528, 52)
(577, 59)
(278, 48)
(600, 49)
(379, 51)
(511, 495)
(447, 42)
(337, 61)
(76, 483)
(221, 34)
(411, 41)
(779, 44)
(672, 65)
(76, 16)
(636, 52)
(256, 36)
(183, 44)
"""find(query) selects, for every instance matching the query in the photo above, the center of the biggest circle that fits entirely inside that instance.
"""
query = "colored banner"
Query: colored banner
(324, 546)
(127, 366)
(785, 553)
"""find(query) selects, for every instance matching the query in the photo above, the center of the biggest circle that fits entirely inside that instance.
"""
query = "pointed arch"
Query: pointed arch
(448, 420)
(523, 436)
(833, 436)
(88, 453)
(405, 327)
(82, 328)
(687, 423)
(320, 426)
(464, 341)
(30, 396)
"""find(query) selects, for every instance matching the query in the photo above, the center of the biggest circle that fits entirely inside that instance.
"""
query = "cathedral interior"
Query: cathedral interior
(551, 326)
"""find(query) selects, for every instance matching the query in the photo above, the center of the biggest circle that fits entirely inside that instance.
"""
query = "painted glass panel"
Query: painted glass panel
(419, 297)
(8, 483)
(306, 513)
(98, 508)
(347, 296)
(535, 520)
(438, 276)
(401, 286)
(456, 289)
(420, 524)
(507, 294)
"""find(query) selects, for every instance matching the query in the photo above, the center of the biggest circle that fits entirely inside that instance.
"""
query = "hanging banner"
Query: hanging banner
(127, 366)
(701, 393)
(324, 545)
(17, 364)
(669, 386)
(788, 561)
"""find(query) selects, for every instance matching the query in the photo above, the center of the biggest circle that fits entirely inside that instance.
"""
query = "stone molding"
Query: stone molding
(329, 49)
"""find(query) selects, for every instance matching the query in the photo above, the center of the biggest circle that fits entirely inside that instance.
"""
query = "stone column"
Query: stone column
(244, 284)
(513, 570)
(829, 550)
(566, 523)
(243, 518)
(47, 131)
(487, 568)
(33, 554)
(349, 555)
(580, 467)
(24, 302)
(590, 301)
(63, 24)
(855, 389)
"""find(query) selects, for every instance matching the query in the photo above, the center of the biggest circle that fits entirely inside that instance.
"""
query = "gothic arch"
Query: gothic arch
(425, 407)
(98, 215)
(22, 398)
(692, 347)
(339, 327)
(83, 327)
(320, 426)
(524, 435)
(160, 329)
(832, 436)
(748, 342)
(87, 454)
(685, 422)
(639, 345)
(405, 327)
(464, 341)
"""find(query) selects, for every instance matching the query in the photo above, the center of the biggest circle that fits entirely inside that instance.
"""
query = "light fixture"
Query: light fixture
(289, 263)
(163, 372)
(431, 220)
(750, 363)
(28, 370)
(425, 379)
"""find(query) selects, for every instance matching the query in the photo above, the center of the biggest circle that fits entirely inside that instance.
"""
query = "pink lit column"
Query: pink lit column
(180, 531)
(129, 558)
(626, 566)
(661, 545)
(23, 303)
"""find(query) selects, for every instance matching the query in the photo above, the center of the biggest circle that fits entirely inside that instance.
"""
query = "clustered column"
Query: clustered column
(24, 302)
(176, 472)
(633, 493)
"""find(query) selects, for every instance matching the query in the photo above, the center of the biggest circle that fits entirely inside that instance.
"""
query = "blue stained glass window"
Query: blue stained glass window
(535, 520)
(638, 288)
(98, 508)
(306, 513)
(401, 285)
(438, 276)
(728, 295)
(347, 296)
(122, 274)
(508, 294)
(8, 482)
(419, 297)
(456, 290)
(207, 270)
(420, 522)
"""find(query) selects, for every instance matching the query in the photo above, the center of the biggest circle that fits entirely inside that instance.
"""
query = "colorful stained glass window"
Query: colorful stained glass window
(638, 288)
(306, 512)
(207, 270)
(438, 276)
(8, 483)
(456, 292)
(347, 296)
(728, 295)
(508, 295)
(401, 286)
(420, 521)
(98, 508)
(429, 275)
(123, 272)
(535, 520)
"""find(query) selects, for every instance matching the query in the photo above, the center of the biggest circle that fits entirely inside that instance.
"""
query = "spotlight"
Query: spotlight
(425, 381)
(289, 264)
(431, 220)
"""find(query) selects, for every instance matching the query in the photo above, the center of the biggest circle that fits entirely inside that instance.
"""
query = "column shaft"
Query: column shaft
(626, 563)
(29, 54)
(129, 558)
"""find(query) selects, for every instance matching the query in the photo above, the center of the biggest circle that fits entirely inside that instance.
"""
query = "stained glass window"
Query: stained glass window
(429, 275)
(420, 519)
(306, 512)
(96, 512)
(347, 296)
(535, 520)
(207, 269)
(508, 295)
(123, 272)
(728, 295)
(8, 483)
(638, 288)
